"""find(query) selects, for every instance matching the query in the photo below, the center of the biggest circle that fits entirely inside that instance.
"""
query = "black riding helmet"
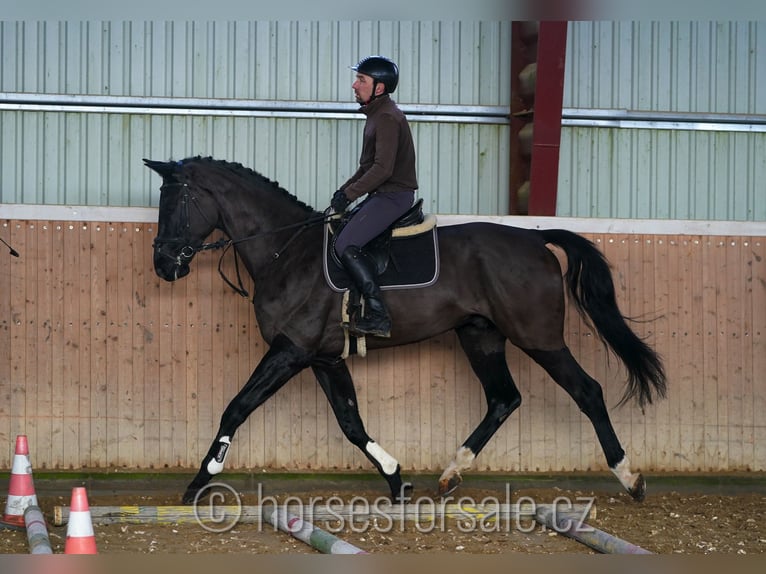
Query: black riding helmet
(381, 70)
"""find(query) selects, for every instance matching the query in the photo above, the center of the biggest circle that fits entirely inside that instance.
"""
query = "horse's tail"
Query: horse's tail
(589, 280)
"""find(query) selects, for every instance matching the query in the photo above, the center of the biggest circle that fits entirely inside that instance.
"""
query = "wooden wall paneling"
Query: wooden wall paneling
(668, 253)
(285, 422)
(141, 366)
(524, 419)
(651, 315)
(168, 293)
(607, 369)
(188, 410)
(35, 390)
(591, 455)
(324, 416)
(84, 327)
(750, 325)
(311, 396)
(365, 373)
(697, 350)
(580, 430)
(204, 428)
(722, 373)
(20, 270)
(394, 370)
(735, 329)
(71, 342)
(183, 293)
(252, 353)
(7, 285)
(521, 419)
(366, 395)
(722, 364)
(24, 342)
(710, 340)
(624, 281)
(665, 317)
(380, 374)
(556, 412)
(449, 382)
(294, 422)
(421, 384)
(637, 304)
(519, 422)
(434, 380)
(757, 253)
(108, 365)
(126, 377)
(215, 388)
(568, 418)
(99, 421)
(152, 330)
(683, 375)
(407, 391)
(643, 311)
(114, 427)
(57, 390)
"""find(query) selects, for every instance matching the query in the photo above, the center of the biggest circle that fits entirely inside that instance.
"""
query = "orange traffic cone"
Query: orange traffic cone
(21, 489)
(79, 531)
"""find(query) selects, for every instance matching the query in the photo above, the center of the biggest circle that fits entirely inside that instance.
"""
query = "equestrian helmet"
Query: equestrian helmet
(381, 69)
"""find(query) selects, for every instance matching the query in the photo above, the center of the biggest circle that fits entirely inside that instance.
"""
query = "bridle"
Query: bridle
(188, 251)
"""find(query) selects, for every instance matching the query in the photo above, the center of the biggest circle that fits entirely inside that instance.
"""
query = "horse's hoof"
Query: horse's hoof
(190, 496)
(448, 485)
(638, 491)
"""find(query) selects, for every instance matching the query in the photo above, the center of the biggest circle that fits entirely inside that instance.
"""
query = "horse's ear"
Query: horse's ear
(164, 168)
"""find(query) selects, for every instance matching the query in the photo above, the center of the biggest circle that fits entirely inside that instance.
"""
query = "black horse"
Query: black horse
(496, 284)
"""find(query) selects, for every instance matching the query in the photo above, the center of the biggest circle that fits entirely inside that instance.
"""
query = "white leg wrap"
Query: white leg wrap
(216, 463)
(463, 461)
(623, 473)
(387, 462)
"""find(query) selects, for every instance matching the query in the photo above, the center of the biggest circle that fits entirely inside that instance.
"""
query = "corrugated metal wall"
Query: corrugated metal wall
(694, 171)
(95, 158)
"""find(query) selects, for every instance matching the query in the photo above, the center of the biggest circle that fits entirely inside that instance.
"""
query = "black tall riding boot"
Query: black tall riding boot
(376, 320)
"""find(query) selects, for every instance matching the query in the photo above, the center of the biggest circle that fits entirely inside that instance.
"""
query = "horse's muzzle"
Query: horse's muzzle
(170, 269)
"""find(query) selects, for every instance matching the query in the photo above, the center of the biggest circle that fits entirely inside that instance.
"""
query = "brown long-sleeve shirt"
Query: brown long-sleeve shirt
(387, 160)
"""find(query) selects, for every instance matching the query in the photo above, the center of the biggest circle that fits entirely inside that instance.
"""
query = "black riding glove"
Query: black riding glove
(339, 201)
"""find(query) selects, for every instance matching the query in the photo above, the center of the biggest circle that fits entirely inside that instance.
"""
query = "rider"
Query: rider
(386, 175)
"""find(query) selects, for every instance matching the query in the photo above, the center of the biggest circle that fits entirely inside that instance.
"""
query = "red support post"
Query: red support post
(549, 95)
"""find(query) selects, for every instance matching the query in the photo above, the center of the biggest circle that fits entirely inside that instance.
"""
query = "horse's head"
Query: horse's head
(188, 214)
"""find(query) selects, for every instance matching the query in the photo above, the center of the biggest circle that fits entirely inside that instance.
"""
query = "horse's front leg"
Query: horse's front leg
(336, 382)
(282, 361)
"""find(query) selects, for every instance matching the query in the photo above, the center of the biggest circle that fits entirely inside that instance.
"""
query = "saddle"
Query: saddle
(406, 255)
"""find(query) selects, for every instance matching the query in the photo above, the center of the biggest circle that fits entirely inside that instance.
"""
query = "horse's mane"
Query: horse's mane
(249, 174)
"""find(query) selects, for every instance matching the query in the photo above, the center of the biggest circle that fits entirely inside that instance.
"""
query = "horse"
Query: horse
(496, 283)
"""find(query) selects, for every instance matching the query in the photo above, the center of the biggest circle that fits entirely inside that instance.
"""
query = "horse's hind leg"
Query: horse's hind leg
(587, 393)
(484, 345)
(336, 382)
(281, 362)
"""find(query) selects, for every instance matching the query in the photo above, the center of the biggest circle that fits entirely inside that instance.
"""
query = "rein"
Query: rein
(227, 243)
